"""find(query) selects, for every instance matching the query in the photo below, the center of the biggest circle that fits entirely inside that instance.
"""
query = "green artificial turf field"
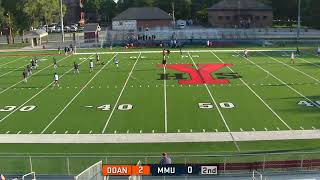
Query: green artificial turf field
(264, 93)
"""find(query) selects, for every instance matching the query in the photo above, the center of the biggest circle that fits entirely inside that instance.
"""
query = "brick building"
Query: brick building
(240, 13)
(141, 18)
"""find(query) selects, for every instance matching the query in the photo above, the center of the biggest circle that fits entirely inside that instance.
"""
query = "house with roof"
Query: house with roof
(141, 18)
(240, 14)
(91, 33)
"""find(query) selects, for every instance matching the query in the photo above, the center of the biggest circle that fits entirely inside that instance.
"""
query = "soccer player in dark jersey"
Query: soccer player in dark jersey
(76, 68)
(164, 60)
(36, 62)
(65, 50)
(55, 64)
(33, 63)
(25, 75)
(168, 53)
(298, 51)
(29, 70)
(97, 58)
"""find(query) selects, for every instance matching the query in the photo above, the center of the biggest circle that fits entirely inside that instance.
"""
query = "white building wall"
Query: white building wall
(124, 25)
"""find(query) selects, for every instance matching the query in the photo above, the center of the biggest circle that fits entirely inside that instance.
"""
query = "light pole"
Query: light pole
(299, 23)
(61, 14)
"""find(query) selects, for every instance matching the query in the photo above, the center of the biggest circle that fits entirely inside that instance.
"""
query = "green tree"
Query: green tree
(13, 18)
(108, 10)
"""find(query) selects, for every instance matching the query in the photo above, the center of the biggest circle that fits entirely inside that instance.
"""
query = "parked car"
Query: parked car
(57, 29)
(52, 27)
(81, 28)
(67, 29)
(74, 28)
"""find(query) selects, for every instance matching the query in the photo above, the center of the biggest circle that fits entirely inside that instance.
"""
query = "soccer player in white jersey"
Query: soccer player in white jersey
(116, 61)
(91, 65)
(55, 80)
(318, 51)
(292, 58)
(246, 53)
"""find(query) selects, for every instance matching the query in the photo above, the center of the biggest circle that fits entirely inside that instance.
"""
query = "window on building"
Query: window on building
(220, 17)
(228, 18)
(121, 23)
(265, 17)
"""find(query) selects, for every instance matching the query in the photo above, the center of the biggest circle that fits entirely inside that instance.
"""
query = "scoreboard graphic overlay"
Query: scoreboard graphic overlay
(159, 170)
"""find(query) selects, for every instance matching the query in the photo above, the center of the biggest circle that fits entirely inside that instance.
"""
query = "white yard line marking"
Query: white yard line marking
(13, 70)
(65, 107)
(311, 54)
(309, 62)
(124, 86)
(256, 95)
(43, 89)
(217, 106)
(190, 51)
(157, 138)
(12, 61)
(315, 104)
(31, 76)
(291, 67)
(165, 102)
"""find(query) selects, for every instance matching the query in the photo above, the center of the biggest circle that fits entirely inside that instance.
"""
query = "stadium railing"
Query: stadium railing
(72, 164)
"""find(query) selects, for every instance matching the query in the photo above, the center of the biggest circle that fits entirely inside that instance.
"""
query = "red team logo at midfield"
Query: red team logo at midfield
(200, 76)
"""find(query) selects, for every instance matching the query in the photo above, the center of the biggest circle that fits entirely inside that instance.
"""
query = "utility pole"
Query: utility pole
(299, 23)
(173, 16)
(62, 27)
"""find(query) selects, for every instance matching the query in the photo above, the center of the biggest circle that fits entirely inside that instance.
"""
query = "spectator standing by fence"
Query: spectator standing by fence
(165, 159)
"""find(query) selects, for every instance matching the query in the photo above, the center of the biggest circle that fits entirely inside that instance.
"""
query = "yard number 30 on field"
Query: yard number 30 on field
(22, 109)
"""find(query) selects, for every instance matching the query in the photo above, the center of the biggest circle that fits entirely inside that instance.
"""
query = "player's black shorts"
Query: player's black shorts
(164, 62)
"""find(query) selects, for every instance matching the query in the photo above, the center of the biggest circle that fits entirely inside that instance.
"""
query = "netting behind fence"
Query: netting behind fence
(94, 172)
